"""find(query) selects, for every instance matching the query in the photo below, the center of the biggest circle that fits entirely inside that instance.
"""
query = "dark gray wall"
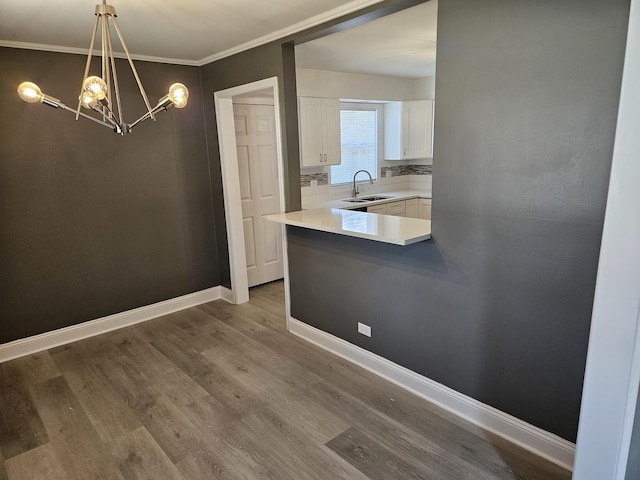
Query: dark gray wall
(266, 61)
(93, 223)
(497, 306)
(633, 465)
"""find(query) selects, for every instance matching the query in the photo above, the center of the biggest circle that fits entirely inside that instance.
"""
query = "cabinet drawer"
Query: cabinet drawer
(396, 208)
(377, 209)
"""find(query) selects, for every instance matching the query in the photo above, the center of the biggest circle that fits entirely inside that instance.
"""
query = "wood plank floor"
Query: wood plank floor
(224, 392)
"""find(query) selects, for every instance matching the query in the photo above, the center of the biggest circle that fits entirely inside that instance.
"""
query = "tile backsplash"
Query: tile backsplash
(399, 170)
(321, 178)
(396, 171)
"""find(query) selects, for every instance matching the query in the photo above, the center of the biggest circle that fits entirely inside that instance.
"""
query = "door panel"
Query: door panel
(268, 172)
(272, 247)
(260, 191)
(245, 172)
(240, 122)
(249, 242)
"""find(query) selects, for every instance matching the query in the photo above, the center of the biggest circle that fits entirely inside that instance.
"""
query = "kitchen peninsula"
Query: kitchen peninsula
(370, 226)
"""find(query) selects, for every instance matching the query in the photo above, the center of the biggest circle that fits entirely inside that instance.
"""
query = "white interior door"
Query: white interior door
(259, 191)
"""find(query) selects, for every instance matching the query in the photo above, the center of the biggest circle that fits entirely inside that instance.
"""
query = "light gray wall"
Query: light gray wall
(497, 306)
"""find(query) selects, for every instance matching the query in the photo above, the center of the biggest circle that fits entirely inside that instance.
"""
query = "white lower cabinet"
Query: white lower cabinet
(378, 209)
(424, 208)
(413, 208)
(396, 208)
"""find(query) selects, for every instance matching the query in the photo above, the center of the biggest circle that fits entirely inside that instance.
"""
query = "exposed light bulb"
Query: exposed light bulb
(178, 94)
(89, 100)
(30, 92)
(95, 86)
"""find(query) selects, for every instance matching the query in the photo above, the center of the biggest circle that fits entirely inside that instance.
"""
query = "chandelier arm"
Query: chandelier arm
(140, 120)
(104, 110)
(86, 68)
(107, 51)
(115, 78)
(111, 126)
(105, 59)
(162, 105)
(133, 68)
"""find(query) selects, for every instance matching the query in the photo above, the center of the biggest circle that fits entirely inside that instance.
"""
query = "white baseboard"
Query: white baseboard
(55, 338)
(226, 294)
(534, 439)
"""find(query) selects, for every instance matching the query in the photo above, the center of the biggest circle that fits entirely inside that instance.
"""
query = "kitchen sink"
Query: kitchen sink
(370, 198)
(373, 198)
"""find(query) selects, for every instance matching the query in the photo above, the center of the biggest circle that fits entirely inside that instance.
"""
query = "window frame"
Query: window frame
(378, 107)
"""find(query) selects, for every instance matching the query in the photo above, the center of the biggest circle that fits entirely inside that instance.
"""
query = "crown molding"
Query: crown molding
(85, 51)
(329, 15)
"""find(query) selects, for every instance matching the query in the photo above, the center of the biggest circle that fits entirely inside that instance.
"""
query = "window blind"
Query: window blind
(359, 144)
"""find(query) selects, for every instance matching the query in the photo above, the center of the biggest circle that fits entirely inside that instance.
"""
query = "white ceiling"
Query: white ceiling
(194, 32)
(399, 45)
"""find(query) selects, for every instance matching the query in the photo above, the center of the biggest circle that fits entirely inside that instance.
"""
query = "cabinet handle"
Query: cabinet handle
(325, 158)
(320, 158)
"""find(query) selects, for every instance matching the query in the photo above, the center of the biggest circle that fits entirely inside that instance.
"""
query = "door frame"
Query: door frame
(612, 374)
(223, 100)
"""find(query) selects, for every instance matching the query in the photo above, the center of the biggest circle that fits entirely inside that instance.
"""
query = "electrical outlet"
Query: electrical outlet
(388, 174)
(314, 183)
(364, 329)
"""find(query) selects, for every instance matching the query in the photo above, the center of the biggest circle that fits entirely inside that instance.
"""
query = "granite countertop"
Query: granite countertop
(371, 226)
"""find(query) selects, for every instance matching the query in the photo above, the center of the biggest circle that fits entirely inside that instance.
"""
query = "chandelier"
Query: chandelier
(101, 94)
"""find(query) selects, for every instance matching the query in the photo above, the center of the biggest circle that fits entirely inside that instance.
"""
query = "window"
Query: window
(360, 125)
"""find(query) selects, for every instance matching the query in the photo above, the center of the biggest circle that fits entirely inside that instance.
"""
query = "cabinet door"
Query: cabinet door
(424, 208)
(311, 137)
(408, 130)
(319, 124)
(331, 132)
(417, 120)
(393, 143)
(396, 208)
(411, 208)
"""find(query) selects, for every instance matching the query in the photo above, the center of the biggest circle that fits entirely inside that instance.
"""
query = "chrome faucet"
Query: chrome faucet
(354, 190)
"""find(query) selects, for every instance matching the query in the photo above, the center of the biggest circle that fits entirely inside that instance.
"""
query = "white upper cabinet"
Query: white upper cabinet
(319, 131)
(408, 130)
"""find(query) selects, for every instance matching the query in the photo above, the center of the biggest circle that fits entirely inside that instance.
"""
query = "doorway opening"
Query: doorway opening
(249, 134)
